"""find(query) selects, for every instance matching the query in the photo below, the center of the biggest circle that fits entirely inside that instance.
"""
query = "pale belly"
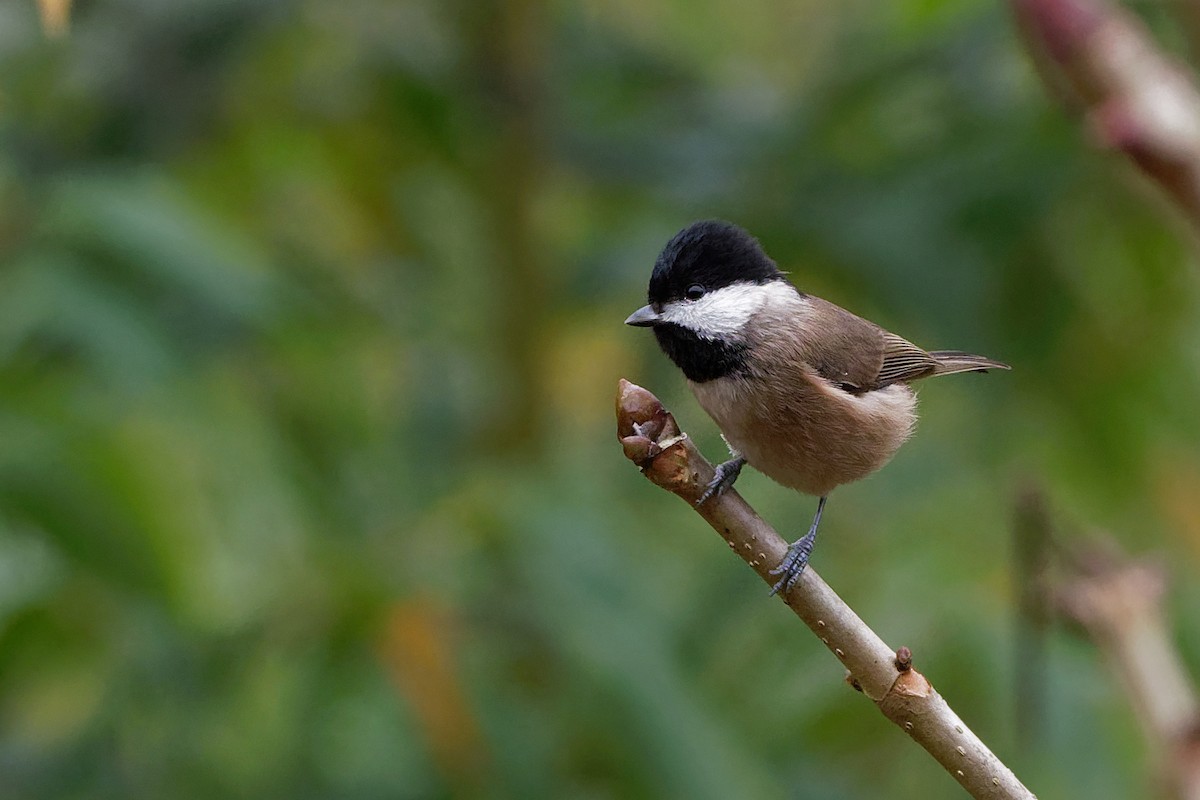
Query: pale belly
(813, 436)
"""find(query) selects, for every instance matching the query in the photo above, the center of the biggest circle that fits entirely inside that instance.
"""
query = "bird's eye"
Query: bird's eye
(694, 292)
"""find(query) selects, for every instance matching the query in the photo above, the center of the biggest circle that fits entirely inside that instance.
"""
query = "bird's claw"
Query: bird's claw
(793, 564)
(726, 474)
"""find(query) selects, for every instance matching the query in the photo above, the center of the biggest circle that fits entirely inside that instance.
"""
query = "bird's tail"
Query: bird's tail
(952, 361)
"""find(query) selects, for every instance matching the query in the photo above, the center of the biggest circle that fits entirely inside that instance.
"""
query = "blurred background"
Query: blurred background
(310, 325)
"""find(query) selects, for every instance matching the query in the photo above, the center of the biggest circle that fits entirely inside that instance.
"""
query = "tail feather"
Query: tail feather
(952, 361)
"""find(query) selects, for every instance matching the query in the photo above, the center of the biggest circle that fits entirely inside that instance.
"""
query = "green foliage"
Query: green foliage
(310, 317)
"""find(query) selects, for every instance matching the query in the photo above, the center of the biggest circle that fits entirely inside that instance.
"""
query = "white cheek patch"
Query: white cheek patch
(724, 311)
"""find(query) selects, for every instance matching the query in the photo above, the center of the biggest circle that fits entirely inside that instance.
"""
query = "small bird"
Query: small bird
(802, 390)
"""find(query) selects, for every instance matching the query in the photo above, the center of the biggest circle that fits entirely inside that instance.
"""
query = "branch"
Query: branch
(1137, 100)
(1118, 601)
(653, 441)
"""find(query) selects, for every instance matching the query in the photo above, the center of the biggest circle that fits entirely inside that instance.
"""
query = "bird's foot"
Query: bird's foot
(727, 474)
(793, 563)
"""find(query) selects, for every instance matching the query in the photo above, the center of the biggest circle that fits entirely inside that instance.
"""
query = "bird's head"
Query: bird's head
(707, 285)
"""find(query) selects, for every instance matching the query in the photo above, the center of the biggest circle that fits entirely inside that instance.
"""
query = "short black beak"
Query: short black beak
(644, 317)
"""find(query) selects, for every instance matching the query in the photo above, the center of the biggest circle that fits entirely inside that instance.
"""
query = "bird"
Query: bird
(804, 391)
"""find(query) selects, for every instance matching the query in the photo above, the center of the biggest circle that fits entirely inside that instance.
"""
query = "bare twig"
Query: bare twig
(1137, 100)
(653, 441)
(1118, 601)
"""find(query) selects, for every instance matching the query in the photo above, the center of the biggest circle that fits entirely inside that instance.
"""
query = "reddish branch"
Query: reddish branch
(653, 441)
(1136, 99)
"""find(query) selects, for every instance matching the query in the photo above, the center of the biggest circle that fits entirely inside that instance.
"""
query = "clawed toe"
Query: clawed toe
(726, 474)
(790, 568)
(716, 487)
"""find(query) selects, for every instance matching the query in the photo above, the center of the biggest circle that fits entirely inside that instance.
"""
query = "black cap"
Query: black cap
(711, 254)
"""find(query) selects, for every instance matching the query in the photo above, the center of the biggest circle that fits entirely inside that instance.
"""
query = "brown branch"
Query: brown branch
(1118, 602)
(1137, 100)
(653, 441)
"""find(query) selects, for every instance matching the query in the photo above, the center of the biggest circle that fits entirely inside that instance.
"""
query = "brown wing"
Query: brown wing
(860, 356)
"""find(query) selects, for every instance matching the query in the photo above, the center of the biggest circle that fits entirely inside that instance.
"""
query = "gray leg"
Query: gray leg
(727, 473)
(796, 559)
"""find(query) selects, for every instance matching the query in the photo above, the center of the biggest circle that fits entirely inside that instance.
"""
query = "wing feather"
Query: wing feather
(903, 361)
(859, 356)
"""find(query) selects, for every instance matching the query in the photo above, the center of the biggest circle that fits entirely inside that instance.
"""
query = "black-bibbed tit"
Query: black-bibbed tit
(802, 390)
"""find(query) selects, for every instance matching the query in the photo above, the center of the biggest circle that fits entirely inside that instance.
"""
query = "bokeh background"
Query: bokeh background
(310, 324)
